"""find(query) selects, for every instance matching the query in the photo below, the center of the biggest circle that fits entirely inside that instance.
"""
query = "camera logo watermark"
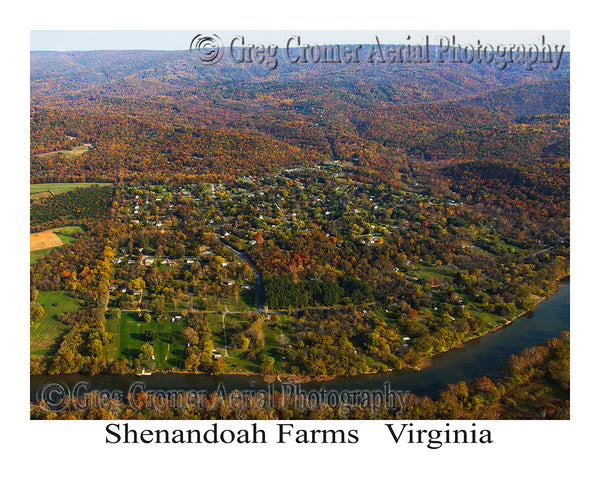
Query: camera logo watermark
(54, 396)
(208, 47)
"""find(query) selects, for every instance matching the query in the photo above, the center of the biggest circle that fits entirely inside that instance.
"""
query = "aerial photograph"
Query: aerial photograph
(306, 225)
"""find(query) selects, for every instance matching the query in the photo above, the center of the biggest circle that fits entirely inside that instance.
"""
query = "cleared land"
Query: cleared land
(74, 152)
(128, 337)
(44, 240)
(40, 190)
(58, 237)
(46, 334)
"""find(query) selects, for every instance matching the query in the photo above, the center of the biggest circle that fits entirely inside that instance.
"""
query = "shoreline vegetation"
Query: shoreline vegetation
(428, 361)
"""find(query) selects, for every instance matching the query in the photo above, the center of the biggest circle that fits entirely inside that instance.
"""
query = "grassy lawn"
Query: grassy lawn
(128, 337)
(37, 255)
(58, 188)
(236, 362)
(46, 334)
(490, 320)
(216, 328)
(442, 273)
(246, 301)
(67, 232)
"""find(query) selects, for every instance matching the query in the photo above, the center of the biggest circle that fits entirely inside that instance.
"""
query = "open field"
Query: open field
(42, 243)
(39, 195)
(40, 190)
(245, 302)
(36, 256)
(44, 240)
(46, 333)
(74, 152)
(128, 337)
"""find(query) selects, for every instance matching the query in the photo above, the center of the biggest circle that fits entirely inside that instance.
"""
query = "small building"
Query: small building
(147, 261)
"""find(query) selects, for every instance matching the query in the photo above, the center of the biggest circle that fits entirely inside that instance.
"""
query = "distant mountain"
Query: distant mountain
(551, 96)
(117, 73)
(164, 111)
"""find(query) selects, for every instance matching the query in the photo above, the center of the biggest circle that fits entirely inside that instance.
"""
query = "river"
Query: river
(484, 356)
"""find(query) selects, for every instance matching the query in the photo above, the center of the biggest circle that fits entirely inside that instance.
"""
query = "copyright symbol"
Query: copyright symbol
(54, 395)
(209, 48)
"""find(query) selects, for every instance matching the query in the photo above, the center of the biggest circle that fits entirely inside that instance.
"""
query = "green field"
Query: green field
(58, 188)
(64, 233)
(216, 328)
(37, 255)
(443, 274)
(128, 337)
(245, 302)
(46, 333)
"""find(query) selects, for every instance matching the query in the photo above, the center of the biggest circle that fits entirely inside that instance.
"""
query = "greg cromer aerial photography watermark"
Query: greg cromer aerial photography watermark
(58, 396)
(211, 49)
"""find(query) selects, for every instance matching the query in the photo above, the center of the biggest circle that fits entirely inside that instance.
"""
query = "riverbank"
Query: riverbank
(428, 361)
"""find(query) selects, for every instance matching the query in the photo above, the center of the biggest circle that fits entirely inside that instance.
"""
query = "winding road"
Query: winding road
(242, 256)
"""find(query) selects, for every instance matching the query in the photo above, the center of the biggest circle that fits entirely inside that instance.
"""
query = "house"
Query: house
(229, 282)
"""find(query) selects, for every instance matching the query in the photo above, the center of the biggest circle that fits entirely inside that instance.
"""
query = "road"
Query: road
(242, 256)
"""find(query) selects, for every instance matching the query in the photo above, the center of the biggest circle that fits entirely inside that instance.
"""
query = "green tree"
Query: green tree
(146, 352)
(150, 335)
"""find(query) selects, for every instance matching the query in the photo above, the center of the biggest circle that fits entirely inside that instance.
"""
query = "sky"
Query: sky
(80, 40)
